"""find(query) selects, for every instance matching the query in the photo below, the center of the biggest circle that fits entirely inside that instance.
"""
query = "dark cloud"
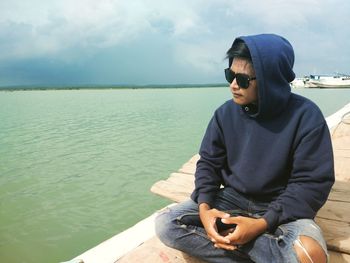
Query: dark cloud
(145, 42)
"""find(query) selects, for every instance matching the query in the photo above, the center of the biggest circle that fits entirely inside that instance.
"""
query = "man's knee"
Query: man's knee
(309, 250)
(161, 222)
(163, 228)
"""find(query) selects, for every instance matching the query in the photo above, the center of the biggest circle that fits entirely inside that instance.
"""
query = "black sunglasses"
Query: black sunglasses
(241, 79)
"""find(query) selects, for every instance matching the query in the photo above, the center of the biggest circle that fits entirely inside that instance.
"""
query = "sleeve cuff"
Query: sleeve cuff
(206, 198)
(272, 219)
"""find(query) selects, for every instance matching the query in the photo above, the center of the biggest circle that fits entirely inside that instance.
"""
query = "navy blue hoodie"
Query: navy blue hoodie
(280, 153)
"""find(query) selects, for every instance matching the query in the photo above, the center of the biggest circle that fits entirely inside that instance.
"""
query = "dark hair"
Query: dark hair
(239, 49)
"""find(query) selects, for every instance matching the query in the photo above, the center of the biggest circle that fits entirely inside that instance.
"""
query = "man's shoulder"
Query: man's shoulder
(304, 105)
(307, 114)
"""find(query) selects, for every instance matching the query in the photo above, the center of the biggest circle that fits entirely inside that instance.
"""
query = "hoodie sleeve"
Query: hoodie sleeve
(212, 158)
(310, 182)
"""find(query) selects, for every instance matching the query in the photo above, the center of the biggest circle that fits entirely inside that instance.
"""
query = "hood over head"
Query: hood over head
(273, 60)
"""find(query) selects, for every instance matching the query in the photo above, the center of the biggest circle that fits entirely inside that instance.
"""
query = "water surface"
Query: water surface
(76, 166)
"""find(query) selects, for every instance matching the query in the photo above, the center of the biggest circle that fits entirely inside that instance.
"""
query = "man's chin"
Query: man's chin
(238, 101)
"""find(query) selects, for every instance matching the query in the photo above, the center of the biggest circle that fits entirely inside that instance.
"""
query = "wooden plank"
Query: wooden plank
(186, 180)
(335, 210)
(341, 148)
(336, 234)
(177, 187)
(342, 168)
(164, 189)
(340, 192)
(336, 257)
(190, 166)
(155, 251)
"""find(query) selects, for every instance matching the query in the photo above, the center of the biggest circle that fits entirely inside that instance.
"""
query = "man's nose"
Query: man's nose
(234, 84)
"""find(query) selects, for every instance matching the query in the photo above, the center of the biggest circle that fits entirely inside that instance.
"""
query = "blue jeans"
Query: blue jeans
(173, 230)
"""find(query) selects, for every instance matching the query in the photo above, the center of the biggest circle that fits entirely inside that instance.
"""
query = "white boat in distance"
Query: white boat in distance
(327, 81)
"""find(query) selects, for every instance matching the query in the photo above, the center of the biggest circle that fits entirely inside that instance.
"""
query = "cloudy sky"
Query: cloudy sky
(77, 42)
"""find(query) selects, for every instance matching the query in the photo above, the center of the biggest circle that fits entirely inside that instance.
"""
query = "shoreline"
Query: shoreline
(113, 87)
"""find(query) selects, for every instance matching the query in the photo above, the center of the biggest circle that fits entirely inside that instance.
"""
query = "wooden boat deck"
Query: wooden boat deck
(333, 218)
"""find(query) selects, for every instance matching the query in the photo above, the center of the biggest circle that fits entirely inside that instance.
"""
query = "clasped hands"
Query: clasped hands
(246, 228)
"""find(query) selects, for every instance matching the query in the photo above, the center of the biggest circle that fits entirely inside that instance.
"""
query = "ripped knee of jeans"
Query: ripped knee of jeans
(309, 250)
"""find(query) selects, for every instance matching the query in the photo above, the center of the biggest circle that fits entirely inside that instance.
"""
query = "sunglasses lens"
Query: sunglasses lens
(230, 76)
(242, 81)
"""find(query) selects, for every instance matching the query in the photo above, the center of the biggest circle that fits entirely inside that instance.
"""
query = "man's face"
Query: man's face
(244, 96)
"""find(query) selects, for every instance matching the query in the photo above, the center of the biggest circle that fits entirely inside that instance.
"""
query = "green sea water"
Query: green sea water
(76, 166)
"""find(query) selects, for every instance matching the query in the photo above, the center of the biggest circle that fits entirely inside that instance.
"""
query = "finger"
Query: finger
(217, 238)
(212, 232)
(221, 214)
(231, 220)
(225, 246)
(235, 237)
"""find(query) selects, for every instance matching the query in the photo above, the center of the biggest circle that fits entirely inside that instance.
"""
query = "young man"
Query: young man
(265, 168)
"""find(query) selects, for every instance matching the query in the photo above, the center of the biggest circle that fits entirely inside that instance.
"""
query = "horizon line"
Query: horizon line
(107, 86)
